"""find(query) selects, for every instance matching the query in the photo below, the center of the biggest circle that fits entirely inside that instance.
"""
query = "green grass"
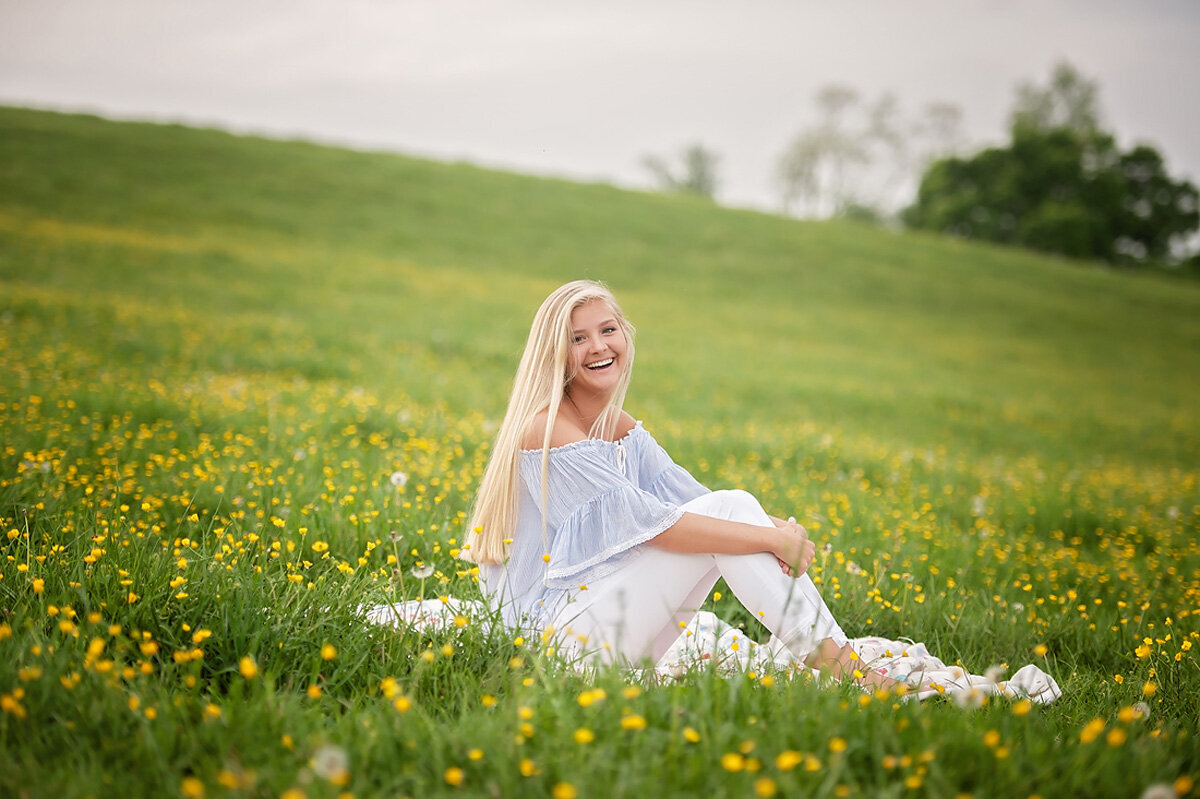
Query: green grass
(215, 350)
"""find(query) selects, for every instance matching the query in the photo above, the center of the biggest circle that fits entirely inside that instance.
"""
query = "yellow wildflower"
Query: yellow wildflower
(764, 786)
(733, 761)
(788, 759)
(1091, 731)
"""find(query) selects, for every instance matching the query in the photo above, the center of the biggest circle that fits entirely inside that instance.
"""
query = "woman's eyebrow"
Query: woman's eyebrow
(605, 323)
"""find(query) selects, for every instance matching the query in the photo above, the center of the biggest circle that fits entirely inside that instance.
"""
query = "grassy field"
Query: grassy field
(217, 352)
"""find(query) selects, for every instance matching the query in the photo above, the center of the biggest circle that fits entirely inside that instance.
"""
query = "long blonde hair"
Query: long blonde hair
(542, 377)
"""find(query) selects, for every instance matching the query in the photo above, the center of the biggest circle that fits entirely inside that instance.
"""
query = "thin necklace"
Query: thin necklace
(579, 413)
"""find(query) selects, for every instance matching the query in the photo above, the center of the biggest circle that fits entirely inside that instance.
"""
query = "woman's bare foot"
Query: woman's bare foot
(842, 663)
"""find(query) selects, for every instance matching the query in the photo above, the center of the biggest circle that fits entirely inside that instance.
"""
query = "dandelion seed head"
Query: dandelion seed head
(331, 763)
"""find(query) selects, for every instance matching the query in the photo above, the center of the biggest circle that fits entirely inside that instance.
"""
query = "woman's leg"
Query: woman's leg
(637, 612)
(791, 608)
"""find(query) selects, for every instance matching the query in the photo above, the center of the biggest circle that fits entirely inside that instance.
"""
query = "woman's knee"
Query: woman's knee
(728, 504)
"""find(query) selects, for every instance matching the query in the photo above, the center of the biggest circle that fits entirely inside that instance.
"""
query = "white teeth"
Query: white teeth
(599, 364)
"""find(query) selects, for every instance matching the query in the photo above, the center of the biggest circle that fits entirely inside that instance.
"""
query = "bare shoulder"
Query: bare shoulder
(563, 433)
(625, 423)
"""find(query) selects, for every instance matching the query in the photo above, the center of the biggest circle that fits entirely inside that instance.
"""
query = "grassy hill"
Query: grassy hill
(406, 272)
(217, 353)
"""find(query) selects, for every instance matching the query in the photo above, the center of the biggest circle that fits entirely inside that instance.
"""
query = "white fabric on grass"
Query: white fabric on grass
(707, 641)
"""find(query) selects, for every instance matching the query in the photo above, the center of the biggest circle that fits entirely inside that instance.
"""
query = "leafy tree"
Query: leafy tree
(815, 169)
(938, 133)
(1069, 100)
(697, 176)
(1155, 210)
(1060, 186)
(859, 159)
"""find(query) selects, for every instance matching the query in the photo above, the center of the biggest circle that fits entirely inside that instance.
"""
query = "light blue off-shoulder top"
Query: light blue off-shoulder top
(604, 499)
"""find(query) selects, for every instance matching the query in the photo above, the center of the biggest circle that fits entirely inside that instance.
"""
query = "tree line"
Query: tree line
(1061, 184)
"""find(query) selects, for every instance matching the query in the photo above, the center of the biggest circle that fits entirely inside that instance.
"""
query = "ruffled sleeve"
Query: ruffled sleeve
(654, 471)
(595, 515)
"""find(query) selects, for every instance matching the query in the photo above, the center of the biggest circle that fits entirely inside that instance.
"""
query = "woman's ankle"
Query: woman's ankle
(842, 663)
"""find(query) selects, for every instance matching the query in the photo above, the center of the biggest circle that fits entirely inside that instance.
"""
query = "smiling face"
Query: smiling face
(598, 349)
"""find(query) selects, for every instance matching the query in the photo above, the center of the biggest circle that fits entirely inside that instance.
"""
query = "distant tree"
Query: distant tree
(1069, 100)
(1155, 210)
(815, 168)
(697, 175)
(861, 159)
(938, 133)
(1061, 185)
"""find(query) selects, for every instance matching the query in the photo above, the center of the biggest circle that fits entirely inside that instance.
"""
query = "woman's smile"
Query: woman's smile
(597, 346)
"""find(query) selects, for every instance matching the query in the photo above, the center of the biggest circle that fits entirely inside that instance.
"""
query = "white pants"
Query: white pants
(637, 612)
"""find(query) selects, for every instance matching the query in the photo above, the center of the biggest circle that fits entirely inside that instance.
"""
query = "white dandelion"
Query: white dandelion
(330, 762)
(972, 698)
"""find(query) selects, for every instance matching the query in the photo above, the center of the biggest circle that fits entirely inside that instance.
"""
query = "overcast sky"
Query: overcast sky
(586, 89)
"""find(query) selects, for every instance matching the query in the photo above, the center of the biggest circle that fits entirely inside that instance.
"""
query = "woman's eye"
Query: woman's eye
(578, 339)
(610, 330)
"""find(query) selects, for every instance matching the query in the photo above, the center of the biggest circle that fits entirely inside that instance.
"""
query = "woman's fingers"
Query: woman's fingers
(810, 551)
(799, 550)
(807, 551)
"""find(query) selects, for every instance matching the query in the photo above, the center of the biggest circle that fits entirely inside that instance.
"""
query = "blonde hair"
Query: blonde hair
(541, 380)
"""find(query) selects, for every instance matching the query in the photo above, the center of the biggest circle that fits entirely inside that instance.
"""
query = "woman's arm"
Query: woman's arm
(696, 533)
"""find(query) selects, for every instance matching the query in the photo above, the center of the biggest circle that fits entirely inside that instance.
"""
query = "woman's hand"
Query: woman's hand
(794, 552)
(695, 532)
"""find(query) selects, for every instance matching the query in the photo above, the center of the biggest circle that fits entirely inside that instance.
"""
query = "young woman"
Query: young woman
(585, 525)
